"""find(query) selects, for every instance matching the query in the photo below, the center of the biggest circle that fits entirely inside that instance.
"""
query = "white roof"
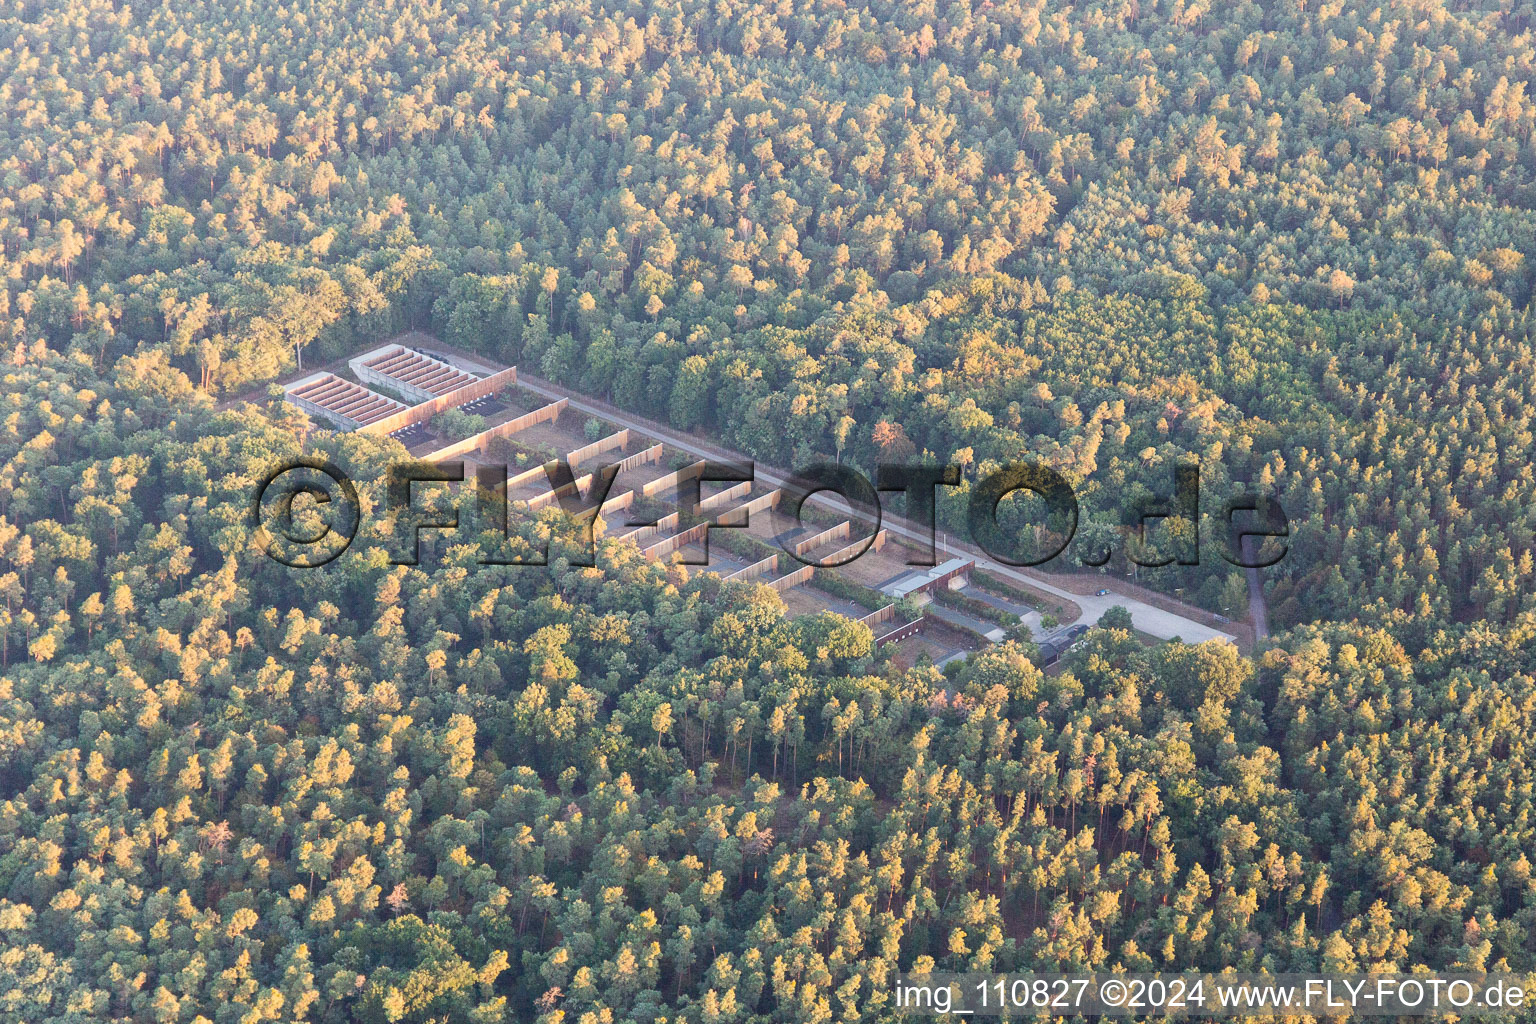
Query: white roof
(916, 581)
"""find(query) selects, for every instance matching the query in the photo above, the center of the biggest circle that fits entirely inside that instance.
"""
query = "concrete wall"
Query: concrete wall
(879, 615)
(794, 579)
(606, 444)
(838, 532)
(517, 480)
(441, 369)
(902, 632)
(426, 410)
(651, 454)
(543, 414)
(324, 415)
(642, 534)
(666, 547)
(512, 426)
(761, 502)
(581, 483)
(613, 503)
(374, 400)
(617, 503)
(544, 498)
(857, 547)
(671, 480)
(374, 378)
(961, 575)
(725, 497)
(756, 569)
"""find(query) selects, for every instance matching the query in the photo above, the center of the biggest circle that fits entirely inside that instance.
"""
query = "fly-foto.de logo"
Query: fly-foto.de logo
(306, 512)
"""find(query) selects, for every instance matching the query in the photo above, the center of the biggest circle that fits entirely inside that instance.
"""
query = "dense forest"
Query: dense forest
(1292, 240)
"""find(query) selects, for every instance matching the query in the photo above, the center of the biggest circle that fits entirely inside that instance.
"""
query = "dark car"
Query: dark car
(1101, 593)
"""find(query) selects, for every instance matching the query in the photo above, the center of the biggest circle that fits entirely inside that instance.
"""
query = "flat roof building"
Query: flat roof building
(939, 575)
(1052, 650)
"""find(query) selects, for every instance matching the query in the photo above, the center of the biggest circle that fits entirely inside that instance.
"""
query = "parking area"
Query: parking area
(487, 407)
(413, 435)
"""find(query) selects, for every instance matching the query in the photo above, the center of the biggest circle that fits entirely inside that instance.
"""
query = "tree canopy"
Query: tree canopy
(1289, 241)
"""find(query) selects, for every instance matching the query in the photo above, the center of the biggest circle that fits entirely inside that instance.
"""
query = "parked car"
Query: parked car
(1101, 593)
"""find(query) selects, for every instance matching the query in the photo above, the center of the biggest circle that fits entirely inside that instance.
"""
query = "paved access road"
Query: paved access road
(1258, 610)
(1150, 619)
